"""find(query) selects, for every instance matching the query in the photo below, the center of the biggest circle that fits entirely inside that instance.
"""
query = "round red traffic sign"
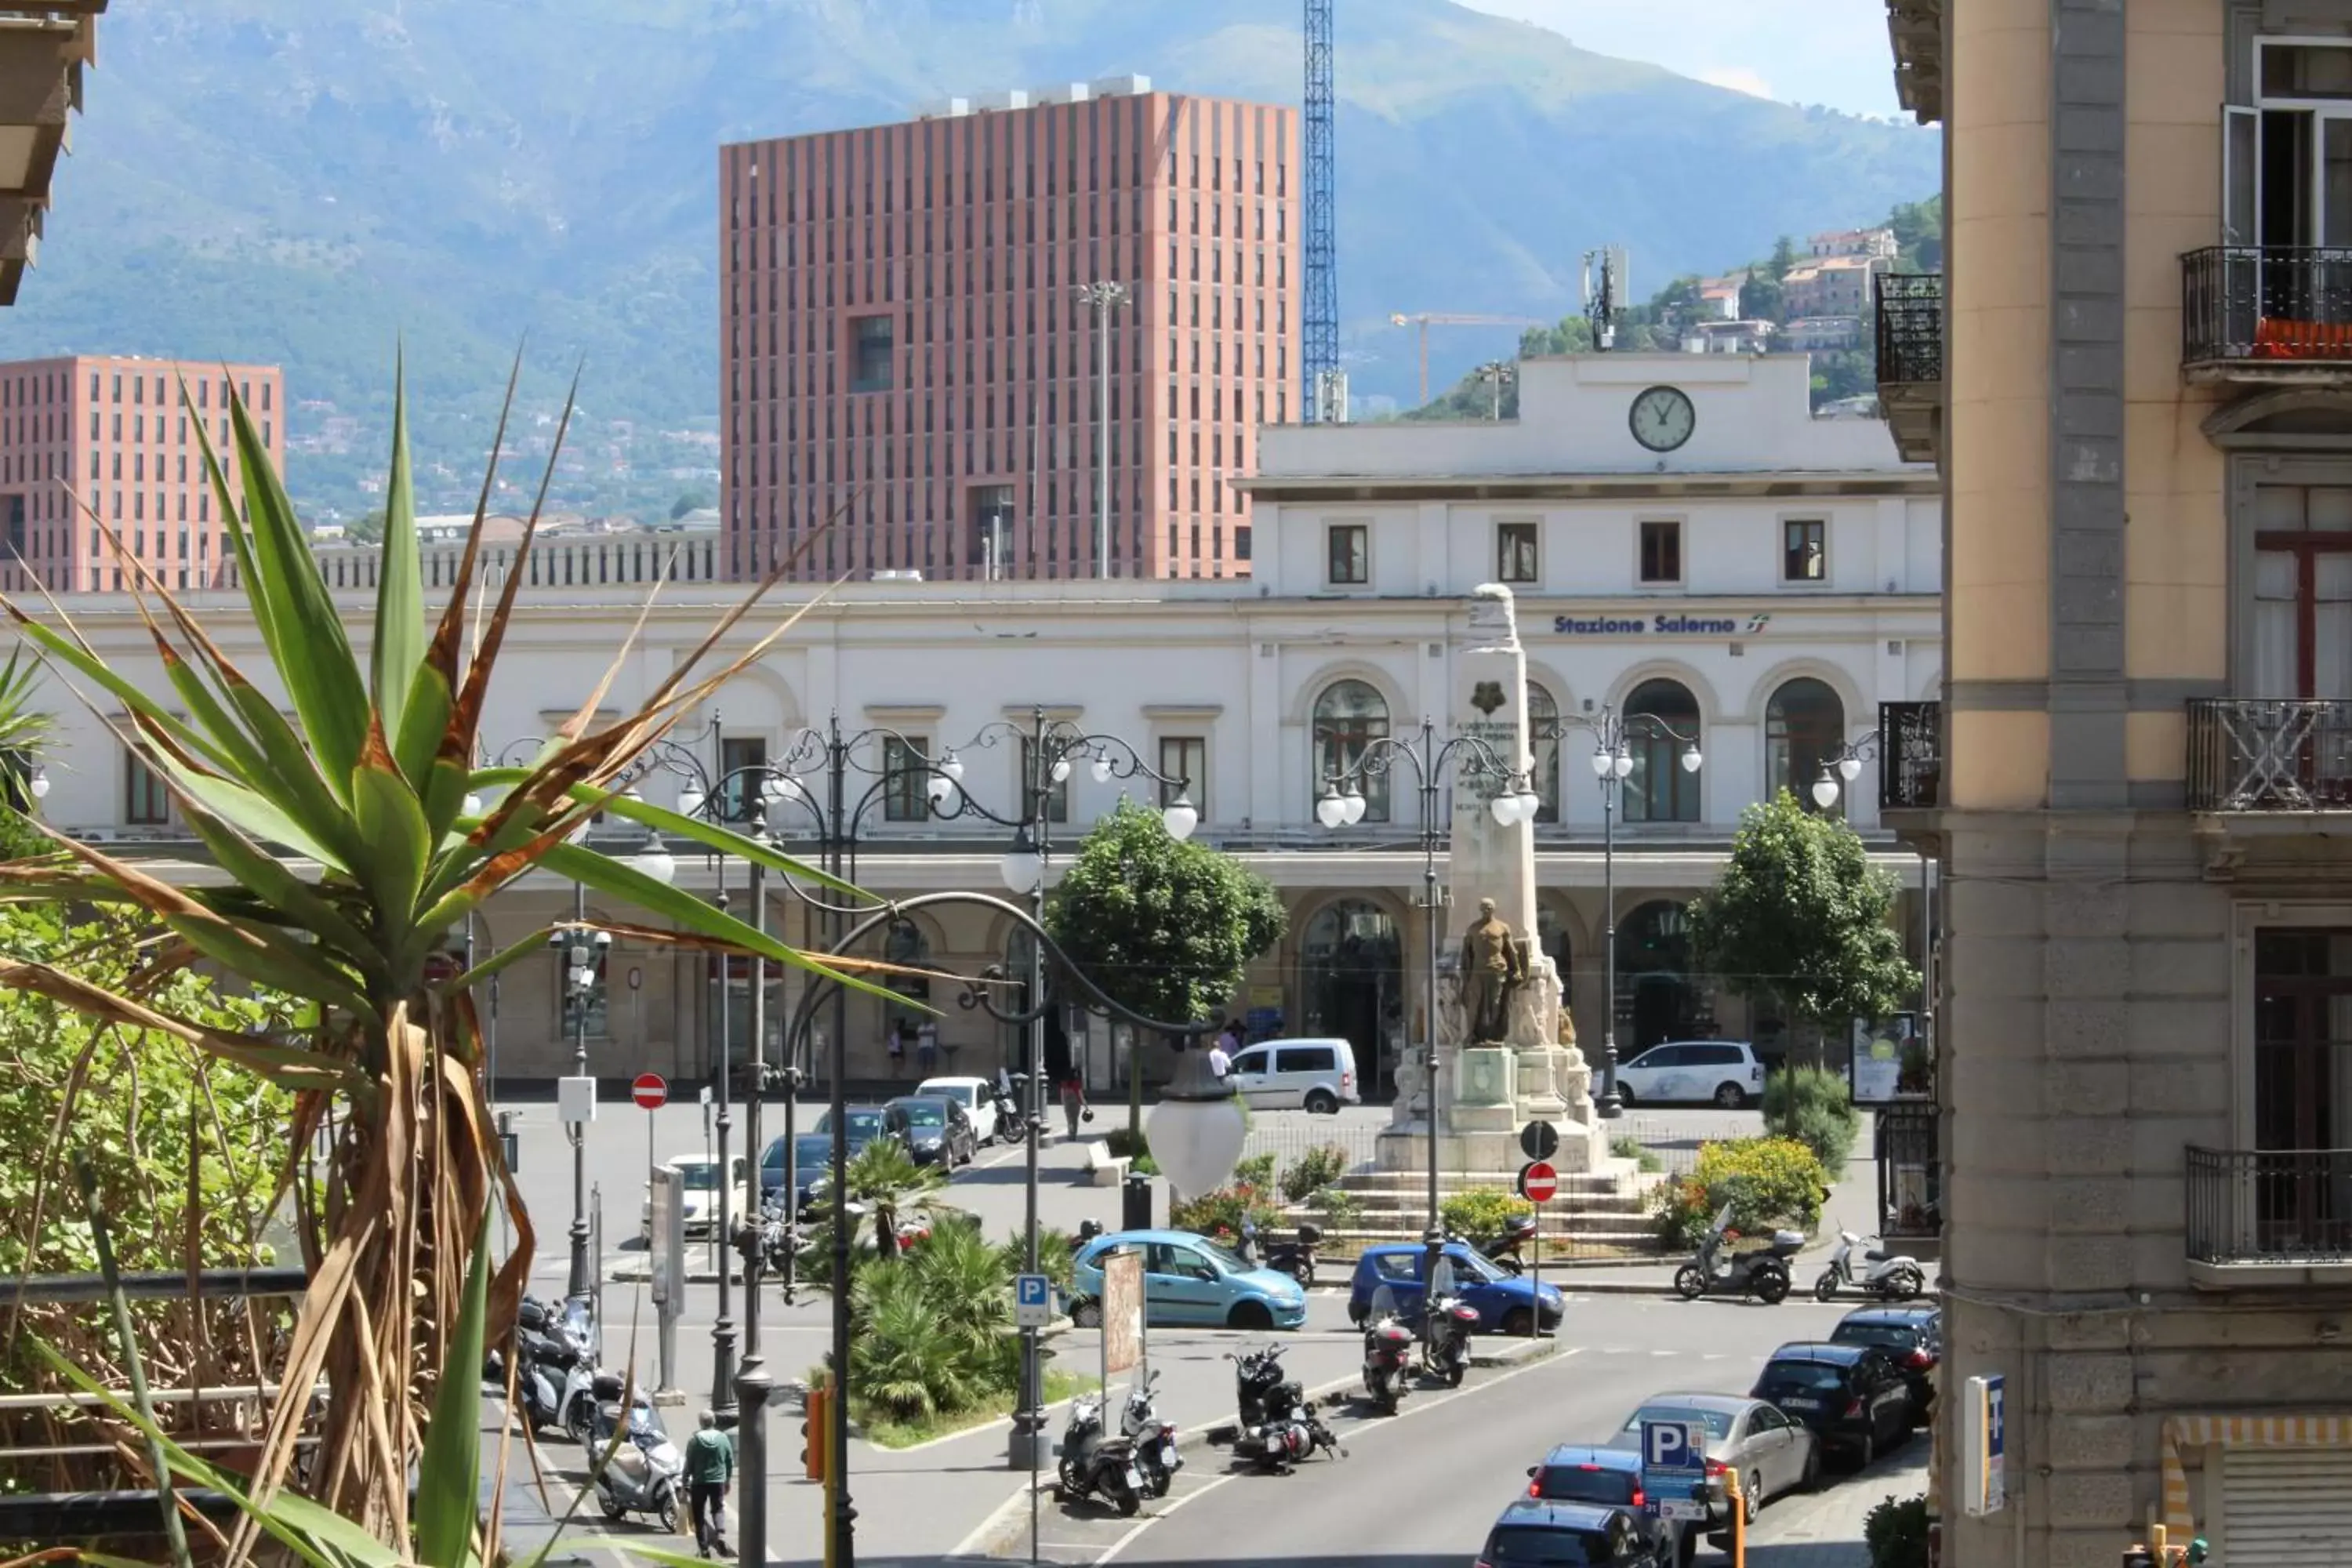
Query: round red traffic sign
(649, 1091)
(1538, 1181)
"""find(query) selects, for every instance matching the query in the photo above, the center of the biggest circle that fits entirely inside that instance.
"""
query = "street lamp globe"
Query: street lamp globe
(1690, 759)
(1101, 769)
(471, 806)
(1330, 810)
(1601, 761)
(1180, 818)
(1621, 765)
(1849, 767)
(1022, 867)
(777, 788)
(656, 862)
(691, 800)
(1826, 791)
(938, 787)
(1197, 1129)
(1354, 801)
(1061, 768)
(40, 784)
(953, 765)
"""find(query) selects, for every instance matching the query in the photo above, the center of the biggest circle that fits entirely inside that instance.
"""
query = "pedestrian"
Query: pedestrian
(927, 1047)
(709, 1467)
(1220, 1063)
(1074, 1101)
(898, 1049)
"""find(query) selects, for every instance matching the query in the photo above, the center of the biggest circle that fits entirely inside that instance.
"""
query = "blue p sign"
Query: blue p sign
(1665, 1445)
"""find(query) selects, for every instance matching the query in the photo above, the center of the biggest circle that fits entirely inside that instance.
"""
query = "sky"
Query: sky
(1832, 52)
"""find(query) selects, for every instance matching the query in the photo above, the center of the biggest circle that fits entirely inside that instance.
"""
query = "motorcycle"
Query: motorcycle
(585, 1389)
(1153, 1440)
(1278, 1426)
(1890, 1275)
(1447, 1324)
(643, 1474)
(1503, 1252)
(1295, 1258)
(545, 1352)
(1761, 1274)
(1009, 1122)
(1095, 1463)
(1387, 1351)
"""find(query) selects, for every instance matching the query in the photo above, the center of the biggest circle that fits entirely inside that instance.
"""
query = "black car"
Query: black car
(1854, 1398)
(1536, 1534)
(1610, 1478)
(934, 1130)
(811, 1169)
(1913, 1335)
(865, 1126)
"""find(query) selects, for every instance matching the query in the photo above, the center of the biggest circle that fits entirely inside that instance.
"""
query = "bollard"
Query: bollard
(1739, 1517)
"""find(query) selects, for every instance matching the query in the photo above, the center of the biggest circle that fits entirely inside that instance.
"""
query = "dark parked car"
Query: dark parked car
(864, 1125)
(1534, 1533)
(1854, 1398)
(1501, 1300)
(935, 1130)
(811, 1169)
(1913, 1335)
(1610, 1478)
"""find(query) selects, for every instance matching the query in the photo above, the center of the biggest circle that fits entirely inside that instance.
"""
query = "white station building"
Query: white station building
(1684, 540)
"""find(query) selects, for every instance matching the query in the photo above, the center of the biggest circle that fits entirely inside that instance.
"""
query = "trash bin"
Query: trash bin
(1135, 1202)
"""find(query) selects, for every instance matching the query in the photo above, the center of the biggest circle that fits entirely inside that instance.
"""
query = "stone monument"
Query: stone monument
(1505, 1052)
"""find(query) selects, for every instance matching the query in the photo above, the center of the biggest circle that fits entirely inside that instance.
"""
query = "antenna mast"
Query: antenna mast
(1319, 347)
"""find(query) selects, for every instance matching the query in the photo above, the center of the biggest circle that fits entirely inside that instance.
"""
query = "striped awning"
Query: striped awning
(2236, 1431)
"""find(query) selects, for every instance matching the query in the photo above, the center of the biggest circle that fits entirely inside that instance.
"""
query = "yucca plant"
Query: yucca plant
(373, 783)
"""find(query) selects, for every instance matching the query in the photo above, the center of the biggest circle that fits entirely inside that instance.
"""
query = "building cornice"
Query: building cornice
(1626, 487)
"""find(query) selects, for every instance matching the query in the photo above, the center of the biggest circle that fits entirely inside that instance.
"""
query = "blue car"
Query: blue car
(1188, 1280)
(1502, 1300)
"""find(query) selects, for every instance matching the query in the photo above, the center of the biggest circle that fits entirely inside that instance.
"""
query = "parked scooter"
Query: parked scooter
(1278, 1426)
(1447, 1322)
(1889, 1276)
(584, 1390)
(643, 1475)
(1713, 1272)
(1154, 1440)
(545, 1352)
(1295, 1258)
(1388, 1352)
(1097, 1463)
(1503, 1252)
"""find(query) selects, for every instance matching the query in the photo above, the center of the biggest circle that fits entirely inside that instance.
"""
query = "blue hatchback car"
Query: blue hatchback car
(1188, 1280)
(1502, 1300)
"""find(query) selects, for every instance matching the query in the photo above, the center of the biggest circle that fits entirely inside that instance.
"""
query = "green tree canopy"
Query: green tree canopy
(1164, 926)
(1801, 915)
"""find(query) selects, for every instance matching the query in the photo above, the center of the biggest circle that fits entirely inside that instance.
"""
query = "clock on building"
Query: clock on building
(1662, 418)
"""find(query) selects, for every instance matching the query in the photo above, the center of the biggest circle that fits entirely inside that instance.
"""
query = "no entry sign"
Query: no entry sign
(1537, 1182)
(650, 1092)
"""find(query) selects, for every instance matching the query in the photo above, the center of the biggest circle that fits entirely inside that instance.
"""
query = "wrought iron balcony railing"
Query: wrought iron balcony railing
(2266, 310)
(2285, 1206)
(1910, 755)
(1910, 338)
(2269, 754)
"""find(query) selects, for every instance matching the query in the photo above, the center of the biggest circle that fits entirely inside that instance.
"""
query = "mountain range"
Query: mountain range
(314, 182)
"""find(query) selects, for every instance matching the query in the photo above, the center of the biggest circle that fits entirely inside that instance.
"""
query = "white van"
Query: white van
(1318, 1075)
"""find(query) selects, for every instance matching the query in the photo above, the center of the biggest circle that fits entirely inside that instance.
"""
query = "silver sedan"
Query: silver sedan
(1771, 1453)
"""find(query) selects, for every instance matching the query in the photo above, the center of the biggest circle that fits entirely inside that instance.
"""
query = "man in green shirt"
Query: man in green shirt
(709, 1466)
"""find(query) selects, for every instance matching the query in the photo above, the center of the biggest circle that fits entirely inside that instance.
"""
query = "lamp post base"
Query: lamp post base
(752, 1386)
(1031, 1446)
(1609, 1108)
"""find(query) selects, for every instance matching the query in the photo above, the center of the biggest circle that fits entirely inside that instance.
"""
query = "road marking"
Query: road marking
(1122, 1544)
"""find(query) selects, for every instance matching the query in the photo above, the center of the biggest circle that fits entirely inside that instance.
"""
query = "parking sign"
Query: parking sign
(1033, 1301)
(1673, 1468)
(1984, 1434)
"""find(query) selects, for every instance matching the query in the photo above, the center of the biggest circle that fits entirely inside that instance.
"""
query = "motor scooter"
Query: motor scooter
(643, 1474)
(1295, 1257)
(1447, 1322)
(1889, 1276)
(1503, 1252)
(584, 1389)
(1153, 1440)
(1387, 1351)
(1762, 1274)
(1276, 1424)
(1095, 1462)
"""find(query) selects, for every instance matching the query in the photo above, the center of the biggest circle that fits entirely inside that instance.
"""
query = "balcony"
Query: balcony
(1910, 757)
(1915, 29)
(2269, 754)
(2269, 1218)
(1910, 344)
(2267, 314)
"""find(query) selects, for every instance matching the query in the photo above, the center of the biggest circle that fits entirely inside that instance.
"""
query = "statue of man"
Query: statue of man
(1491, 965)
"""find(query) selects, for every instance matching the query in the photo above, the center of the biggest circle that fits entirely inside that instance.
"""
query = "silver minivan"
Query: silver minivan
(1317, 1075)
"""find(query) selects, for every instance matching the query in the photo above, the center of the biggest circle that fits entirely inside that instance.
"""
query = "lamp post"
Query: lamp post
(1840, 769)
(1103, 297)
(584, 953)
(1343, 805)
(1497, 374)
(1612, 763)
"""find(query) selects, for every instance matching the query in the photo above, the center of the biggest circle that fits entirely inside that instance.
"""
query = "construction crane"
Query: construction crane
(1320, 323)
(1428, 319)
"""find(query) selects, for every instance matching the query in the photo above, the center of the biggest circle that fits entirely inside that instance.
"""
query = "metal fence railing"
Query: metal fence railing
(2282, 1206)
(2269, 754)
(1910, 755)
(2266, 304)
(1910, 328)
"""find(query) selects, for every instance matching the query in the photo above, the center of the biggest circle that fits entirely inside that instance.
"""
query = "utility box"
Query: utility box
(575, 1100)
(1135, 1204)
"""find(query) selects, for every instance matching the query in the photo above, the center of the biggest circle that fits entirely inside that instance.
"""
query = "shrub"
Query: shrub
(1313, 1171)
(1219, 1214)
(1896, 1533)
(1625, 1146)
(931, 1332)
(1257, 1171)
(1479, 1215)
(1813, 1106)
(1768, 1182)
(1339, 1208)
(1127, 1143)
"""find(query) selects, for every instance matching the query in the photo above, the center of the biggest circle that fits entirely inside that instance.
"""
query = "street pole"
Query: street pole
(1103, 297)
(1433, 908)
(1029, 1422)
(1608, 1107)
(752, 1380)
(582, 1278)
(722, 1333)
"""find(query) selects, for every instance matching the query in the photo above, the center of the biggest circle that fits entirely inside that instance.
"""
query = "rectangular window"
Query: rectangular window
(1662, 551)
(870, 337)
(1803, 550)
(1514, 552)
(907, 772)
(1348, 554)
(1184, 760)
(145, 801)
(741, 762)
(1058, 796)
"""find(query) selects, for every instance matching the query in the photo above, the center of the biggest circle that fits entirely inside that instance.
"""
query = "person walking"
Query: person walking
(1221, 1062)
(709, 1469)
(1074, 1101)
(927, 1048)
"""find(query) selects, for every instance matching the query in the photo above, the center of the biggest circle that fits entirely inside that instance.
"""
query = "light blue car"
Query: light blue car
(1188, 1280)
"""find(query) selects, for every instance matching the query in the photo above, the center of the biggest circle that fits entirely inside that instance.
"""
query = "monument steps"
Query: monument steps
(1604, 1213)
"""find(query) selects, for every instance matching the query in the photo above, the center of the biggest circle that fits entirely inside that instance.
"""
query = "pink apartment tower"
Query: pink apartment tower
(908, 335)
(110, 433)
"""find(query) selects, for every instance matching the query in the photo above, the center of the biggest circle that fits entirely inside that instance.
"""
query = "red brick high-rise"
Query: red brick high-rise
(109, 432)
(904, 339)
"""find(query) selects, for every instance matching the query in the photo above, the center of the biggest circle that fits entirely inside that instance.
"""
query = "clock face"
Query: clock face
(1662, 418)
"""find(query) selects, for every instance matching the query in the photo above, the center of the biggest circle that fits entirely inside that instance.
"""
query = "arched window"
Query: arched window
(1543, 717)
(1660, 723)
(1804, 725)
(1348, 717)
(1351, 984)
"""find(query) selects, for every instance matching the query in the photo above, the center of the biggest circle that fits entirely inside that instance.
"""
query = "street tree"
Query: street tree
(1801, 916)
(1165, 926)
